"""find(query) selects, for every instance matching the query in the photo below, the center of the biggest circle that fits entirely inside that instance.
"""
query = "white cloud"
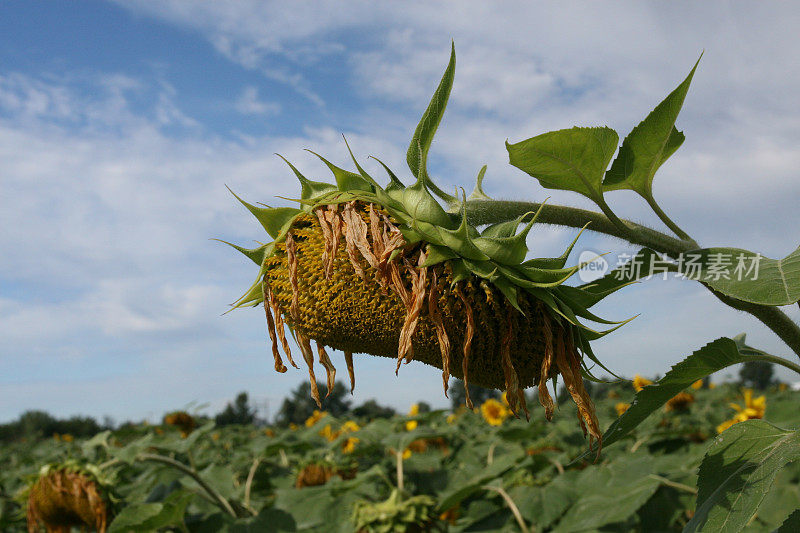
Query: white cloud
(248, 103)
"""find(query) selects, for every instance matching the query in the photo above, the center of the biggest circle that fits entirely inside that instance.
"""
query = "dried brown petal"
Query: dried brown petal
(348, 359)
(329, 368)
(327, 233)
(514, 395)
(305, 348)
(469, 333)
(441, 333)
(568, 363)
(279, 367)
(419, 277)
(357, 233)
(279, 326)
(547, 362)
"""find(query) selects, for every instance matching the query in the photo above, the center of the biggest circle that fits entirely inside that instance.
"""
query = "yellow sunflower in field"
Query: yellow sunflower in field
(315, 417)
(411, 425)
(494, 412)
(753, 408)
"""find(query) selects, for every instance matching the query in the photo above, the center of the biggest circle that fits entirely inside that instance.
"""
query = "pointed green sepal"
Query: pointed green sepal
(345, 180)
(438, 254)
(421, 205)
(256, 255)
(394, 182)
(477, 193)
(508, 250)
(555, 262)
(310, 189)
(460, 271)
(273, 218)
(460, 240)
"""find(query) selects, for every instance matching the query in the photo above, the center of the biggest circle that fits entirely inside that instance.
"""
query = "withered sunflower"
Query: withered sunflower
(68, 495)
(389, 271)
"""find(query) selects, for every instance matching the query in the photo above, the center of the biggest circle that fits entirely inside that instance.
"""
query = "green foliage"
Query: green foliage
(299, 405)
(738, 472)
(775, 282)
(477, 394)
(648, 145)
(644, 482)
(756, 374)
(239, 412)
(574, 159)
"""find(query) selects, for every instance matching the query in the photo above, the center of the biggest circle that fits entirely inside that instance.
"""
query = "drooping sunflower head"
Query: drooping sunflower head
(182, 420)
(389, 271)
(68, 495)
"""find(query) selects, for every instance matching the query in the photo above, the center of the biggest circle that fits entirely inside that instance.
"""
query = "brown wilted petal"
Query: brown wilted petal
(329, 368)
(279, 367)
(348, 359)
(327, 234)
(419, 276)
(305, 348)
(357, 233)
(514, 395)
(279, 326)
(335, 221)
(547, 362)
(470, 331)
(375, 232)
(441, 332)
(568, 363)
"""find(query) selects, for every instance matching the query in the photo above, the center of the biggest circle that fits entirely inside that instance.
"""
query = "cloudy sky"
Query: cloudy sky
(122, 122)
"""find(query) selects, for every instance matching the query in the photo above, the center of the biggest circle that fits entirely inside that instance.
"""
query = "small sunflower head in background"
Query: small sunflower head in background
(640, 382)
(680, 402)
(494, 412)
(182, 420)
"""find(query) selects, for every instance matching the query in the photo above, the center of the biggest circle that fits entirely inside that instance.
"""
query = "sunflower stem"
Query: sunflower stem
(399, 457)
(218, 499)
(480, 212)
(651, 201)
(512, 506)
(249, 484)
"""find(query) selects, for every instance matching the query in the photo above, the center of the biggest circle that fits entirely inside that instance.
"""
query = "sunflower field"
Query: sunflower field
(469, 470)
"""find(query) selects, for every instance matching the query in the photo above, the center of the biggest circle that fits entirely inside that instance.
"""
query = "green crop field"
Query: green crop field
(436, 471)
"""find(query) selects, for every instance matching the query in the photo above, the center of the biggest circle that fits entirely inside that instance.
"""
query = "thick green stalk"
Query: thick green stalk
(481, 212)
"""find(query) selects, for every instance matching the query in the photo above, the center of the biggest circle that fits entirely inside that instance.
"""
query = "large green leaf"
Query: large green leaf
(712, 357)
(610, 495)
(573, 159)
(648, 145)
(792, 523)
(417, 155)
(737, 474)
(746, 275)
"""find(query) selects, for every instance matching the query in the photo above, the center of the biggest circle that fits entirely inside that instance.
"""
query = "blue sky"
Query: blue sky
(122, 122)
